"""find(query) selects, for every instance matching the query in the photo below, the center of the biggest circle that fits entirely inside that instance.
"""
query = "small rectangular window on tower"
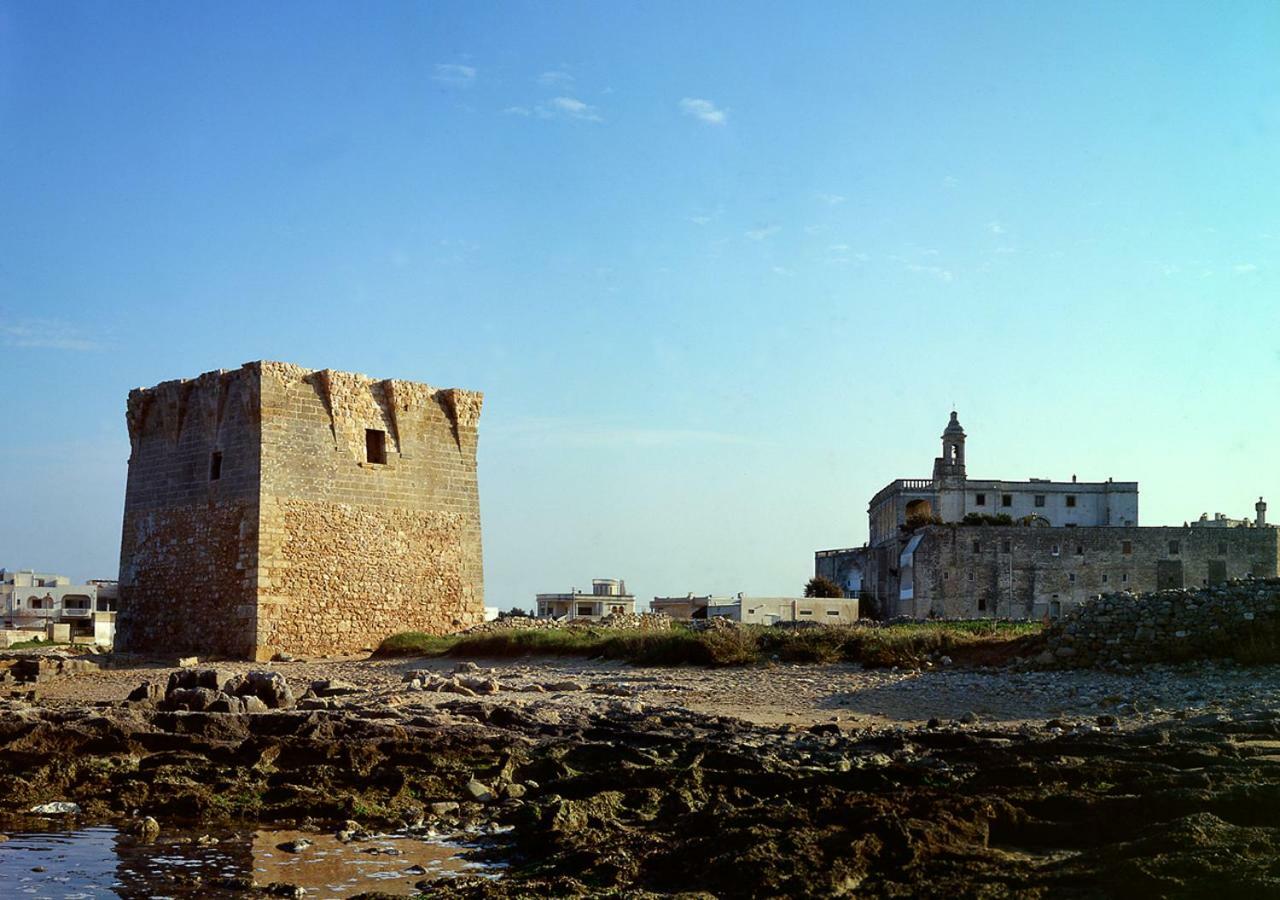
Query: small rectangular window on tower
(980, 499)
(1039, 499)
(375, 445)
(215, 465)
(1126, 547)
(1071, 499)
(1174, 548)
(977, 546)
(1006, 499)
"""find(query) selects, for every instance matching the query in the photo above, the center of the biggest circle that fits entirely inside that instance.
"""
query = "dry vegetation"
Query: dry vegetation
(871, 645)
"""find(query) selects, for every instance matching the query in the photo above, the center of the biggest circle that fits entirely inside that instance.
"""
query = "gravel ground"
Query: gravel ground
(799, 694)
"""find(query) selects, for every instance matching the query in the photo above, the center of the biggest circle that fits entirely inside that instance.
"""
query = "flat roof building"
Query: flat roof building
(608, 597)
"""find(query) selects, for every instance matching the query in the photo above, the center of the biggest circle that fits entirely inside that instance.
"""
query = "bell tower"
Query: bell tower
(951, 463)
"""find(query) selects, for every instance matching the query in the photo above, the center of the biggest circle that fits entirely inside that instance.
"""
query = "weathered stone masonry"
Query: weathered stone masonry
(304, 542)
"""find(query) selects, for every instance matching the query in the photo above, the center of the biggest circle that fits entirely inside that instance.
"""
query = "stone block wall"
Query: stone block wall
(303, 545)
(354, 550)
(1237, 619)
(1030, 572)
(188, 545)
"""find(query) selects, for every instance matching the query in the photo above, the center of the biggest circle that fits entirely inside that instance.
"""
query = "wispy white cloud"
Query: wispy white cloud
(706, 217)
(783, 271)
(831, 199)
(704, 110)
(557, 108)
(995, 228)
(950, 182)
(45, 334)
(573, 108)
(814, 229)
(759, 234)
(937, 272)
(842, 255)
(1244, 268)
(454, 75)
(557, 78)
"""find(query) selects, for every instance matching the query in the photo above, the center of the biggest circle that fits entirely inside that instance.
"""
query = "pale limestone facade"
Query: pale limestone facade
(274, 509)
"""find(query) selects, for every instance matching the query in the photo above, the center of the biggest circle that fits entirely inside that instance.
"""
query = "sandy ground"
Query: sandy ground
(798, 694)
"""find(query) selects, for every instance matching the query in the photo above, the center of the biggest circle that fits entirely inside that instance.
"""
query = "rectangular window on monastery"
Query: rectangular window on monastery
(1006, 546)
(1006, 499)
(1174, 548)
(1071, 499)
(982, 602)
(980, 499)
(215, 465)
(1222, 549)
(833, 612)
(1104, 577)
(1079, 550)
(1039, 499)
(971, 576)
(375, 445)
(806, 612)
(977, 546)
(1125, 577)
(1126, 547)
(1072, 578)
(1055, 550)
(585, 611)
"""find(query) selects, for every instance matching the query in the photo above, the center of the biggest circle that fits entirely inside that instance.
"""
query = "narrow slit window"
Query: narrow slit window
(215, 465)
(375, 445)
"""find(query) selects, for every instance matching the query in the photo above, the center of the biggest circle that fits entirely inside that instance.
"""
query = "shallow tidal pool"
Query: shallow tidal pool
(102, 861)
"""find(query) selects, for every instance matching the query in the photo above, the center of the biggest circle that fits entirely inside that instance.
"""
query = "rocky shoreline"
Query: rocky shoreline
(587, 793)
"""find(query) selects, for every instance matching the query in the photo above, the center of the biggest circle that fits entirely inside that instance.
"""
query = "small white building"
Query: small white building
(760, 610)
(608, 597)
(38, 601)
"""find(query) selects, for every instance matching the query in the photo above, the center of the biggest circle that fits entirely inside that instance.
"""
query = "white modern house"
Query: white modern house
(608, 596)
(47, 604)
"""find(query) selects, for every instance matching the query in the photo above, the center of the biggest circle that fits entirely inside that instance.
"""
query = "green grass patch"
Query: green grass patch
(976, 642)
(36, 645)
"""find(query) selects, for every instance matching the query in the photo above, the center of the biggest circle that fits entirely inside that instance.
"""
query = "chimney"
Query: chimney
(1261, 508)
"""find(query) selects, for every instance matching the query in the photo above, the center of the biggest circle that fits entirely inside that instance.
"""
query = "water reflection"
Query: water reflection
(101, 862)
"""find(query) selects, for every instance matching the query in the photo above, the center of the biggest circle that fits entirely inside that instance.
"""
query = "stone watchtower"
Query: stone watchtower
(949, 473)
(273, 508)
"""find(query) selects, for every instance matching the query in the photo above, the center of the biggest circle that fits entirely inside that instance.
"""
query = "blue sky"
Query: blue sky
(721, 269)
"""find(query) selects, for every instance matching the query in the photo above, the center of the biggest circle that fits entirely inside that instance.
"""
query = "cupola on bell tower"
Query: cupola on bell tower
(951, 463)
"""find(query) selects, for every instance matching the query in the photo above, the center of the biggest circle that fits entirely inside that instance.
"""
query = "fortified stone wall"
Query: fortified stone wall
(353, 550)
(301, 544)
(1029, 572)
(187, 550)
(1240, 620)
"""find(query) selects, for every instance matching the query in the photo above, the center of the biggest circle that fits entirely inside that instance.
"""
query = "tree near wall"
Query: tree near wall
(821, 586)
